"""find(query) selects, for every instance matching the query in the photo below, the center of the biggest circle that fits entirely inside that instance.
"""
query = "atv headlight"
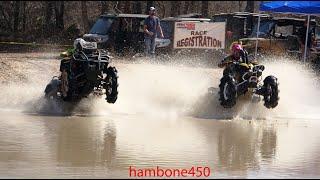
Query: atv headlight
(84, 44)
(99, 39)
(89, 45)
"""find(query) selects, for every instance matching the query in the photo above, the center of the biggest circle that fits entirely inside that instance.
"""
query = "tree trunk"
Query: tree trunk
(250, 6)
(84, 16)
(137, 7)
(59, 12)
(16, 18)
(175, 8)
(24, 5)
(6, 17)
(127, 7)
(205, 8)
(118, 6)
(186, 7)
(105, 8)
(48, 15)
(149, 4)
(192, 8)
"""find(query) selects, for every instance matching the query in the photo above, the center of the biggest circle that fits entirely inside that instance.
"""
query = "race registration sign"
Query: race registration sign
(199, 35)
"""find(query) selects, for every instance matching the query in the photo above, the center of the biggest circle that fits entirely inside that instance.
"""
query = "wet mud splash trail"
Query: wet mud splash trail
(163, 90)
(299, 95)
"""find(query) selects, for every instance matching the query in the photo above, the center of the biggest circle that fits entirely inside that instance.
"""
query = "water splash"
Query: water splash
(169, 90)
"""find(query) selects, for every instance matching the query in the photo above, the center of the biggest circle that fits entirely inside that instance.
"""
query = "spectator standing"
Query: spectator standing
(151, 27)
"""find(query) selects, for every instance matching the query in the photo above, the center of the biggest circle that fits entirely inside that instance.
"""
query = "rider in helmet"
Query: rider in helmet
(238, 54)
(69, 68)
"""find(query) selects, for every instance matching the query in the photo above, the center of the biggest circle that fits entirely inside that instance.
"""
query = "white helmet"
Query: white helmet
(81, 44)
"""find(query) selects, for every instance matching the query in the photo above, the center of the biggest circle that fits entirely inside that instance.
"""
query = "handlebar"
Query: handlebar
(222, 64)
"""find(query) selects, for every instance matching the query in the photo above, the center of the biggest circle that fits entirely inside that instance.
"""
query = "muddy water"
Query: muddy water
(163, 117)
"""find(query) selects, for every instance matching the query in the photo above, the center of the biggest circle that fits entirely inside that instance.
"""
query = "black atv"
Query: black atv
(83, 73)
(241, 78)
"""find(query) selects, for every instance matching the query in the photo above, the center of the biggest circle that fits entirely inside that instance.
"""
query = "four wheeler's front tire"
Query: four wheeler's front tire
(271, 96)
(227, 71)
(51, 89)
(112, 85)
(228, 91)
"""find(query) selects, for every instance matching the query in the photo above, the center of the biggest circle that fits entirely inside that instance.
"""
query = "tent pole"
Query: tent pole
(258, 31)
(305, 44)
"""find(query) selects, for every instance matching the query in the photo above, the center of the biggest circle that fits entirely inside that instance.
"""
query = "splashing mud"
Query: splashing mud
(299, 94)
(168, 90)
(299, 88)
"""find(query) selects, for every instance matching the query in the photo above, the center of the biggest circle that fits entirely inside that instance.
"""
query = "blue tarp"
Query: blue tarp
(303, 7)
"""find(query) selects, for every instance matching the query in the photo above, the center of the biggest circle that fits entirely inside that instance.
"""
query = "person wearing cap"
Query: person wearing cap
(151, 27)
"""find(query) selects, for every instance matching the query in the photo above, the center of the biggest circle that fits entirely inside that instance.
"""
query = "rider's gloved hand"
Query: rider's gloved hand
(220, 65)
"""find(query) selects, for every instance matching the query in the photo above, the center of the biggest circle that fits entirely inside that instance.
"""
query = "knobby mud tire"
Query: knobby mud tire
(51, 89)
(228, 96)
(113, 95)
(271, 100)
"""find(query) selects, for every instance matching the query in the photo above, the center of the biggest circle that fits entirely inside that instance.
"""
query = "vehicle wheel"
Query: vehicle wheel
(271, 97)
(227, 71)
(51, 89)
(228, 92)
(112, 85)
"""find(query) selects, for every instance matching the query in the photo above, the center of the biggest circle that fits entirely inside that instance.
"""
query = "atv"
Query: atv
(84, 71)
(242, 78)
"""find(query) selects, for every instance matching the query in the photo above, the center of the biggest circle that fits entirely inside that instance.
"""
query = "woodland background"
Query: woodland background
(61, 21)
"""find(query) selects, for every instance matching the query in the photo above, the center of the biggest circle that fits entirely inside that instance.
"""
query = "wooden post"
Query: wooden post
(305, 44)
(258, 30)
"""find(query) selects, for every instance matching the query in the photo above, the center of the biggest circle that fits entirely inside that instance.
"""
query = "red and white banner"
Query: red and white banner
(199, 35)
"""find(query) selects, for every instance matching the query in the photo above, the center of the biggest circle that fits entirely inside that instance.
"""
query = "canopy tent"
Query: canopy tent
(300, 7)
(293, 7)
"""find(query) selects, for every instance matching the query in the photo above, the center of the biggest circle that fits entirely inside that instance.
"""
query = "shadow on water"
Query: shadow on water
(49, 107)
(59, 108)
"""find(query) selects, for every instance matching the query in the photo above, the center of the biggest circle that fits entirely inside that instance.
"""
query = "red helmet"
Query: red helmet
(236, 47)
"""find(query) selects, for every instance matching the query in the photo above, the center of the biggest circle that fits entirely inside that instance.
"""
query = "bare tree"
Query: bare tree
(137, 7)
(6, 17)
(84, 15)
(250, 6)
(16, 13)
(24, 15)
(174, 10)
(50, 18)
(49, 5)
(192, 7)
(127, 7)
(161, 8)
(205, 8)
(105, 6)
(240, 5)
(118, 6)
(59, 12)
(186, 7)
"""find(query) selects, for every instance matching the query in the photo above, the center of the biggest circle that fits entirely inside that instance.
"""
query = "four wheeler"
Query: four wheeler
(240, 78)
(85, 71)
